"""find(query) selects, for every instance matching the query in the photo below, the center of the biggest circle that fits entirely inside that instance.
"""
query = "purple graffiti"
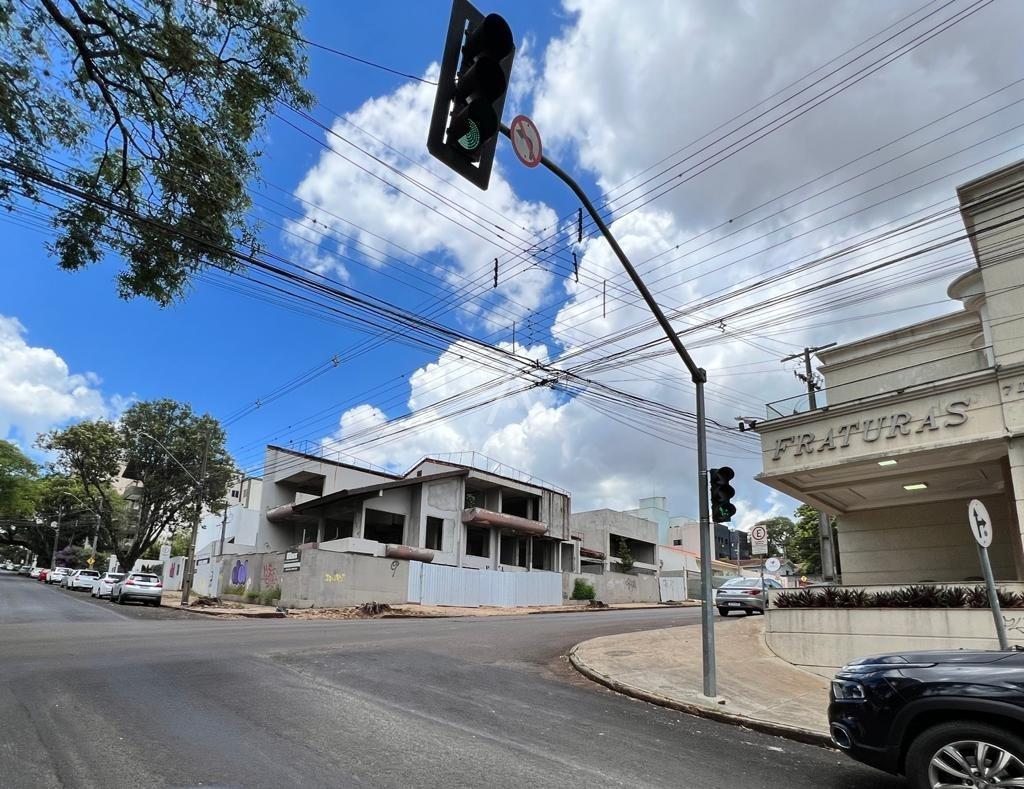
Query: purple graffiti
(240, 572)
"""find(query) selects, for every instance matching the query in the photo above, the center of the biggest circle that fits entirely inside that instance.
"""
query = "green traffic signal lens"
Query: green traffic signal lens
(471, 139)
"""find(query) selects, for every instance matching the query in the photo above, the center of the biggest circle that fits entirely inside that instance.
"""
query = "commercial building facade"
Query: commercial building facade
(922, 419)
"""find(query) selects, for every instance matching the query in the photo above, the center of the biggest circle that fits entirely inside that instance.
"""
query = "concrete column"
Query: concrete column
(1015, 494)
(321, 523)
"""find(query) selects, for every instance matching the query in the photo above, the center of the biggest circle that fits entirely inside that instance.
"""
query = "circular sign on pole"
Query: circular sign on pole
(773, 564)
(981, 523)
(526, 140)
(759, 534)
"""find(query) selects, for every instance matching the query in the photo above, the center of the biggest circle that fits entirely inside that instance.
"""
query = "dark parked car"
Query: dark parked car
(942, 719)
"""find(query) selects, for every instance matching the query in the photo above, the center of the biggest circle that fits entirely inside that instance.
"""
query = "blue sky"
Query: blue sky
(613, 93)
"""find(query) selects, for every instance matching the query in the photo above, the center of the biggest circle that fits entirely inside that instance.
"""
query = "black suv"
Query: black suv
(945, 720)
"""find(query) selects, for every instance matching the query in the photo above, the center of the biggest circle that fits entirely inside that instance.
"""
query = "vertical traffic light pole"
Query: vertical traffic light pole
(699, 377)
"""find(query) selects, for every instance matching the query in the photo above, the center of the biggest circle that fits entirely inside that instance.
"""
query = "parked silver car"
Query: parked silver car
(105, 584)
(744, 594)
(82, 579)
(144, 587)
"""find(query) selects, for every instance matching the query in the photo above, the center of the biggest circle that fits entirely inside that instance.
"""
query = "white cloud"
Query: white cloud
(38, 391)
(601, 100)
(408, 205)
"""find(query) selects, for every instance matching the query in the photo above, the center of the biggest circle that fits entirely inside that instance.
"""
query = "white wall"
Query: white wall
(824, 639)
(923, 542)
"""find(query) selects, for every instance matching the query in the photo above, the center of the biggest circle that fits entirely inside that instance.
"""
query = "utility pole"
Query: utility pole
(186, 583)
(56, 537)
(825, 543)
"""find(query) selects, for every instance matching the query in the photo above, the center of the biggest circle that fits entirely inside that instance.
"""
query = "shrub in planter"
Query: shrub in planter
(583, 590)
(270, 596)
(235, 589)
(913, 596)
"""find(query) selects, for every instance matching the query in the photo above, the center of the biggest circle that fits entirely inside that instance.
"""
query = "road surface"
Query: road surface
(95, 695)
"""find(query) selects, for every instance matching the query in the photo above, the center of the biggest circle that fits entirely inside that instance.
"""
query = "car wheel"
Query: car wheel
(723, 612)
(966, 753)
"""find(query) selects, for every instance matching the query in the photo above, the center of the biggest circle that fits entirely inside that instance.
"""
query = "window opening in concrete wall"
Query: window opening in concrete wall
(338, 528)
(507, 555)
(542, 555)
(521, 557)
(435, 533)
(383, 526)
(478, 541)
(516, 505)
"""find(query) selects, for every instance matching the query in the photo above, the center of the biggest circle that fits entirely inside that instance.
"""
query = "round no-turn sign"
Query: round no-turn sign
(526, 140)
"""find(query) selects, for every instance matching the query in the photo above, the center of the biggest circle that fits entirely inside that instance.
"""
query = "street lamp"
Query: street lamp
(186, 581)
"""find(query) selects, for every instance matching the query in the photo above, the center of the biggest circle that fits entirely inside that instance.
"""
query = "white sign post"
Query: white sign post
(165, 552)
(773, 564)
(759, 541)
(981, 528)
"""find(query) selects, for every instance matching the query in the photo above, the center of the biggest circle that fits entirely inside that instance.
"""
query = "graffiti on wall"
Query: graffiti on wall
(334, 578)
(240, 573)
(1014, 624)
(269, 576)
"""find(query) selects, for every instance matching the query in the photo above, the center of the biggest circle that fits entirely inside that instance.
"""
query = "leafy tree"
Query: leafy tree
(159, 106)
(41, 501)
(625, 555)
(179, 543)
(780, 531)
(805, 547)
(18, 477)
(166, 496)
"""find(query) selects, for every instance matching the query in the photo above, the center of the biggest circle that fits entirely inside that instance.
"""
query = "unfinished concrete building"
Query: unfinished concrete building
(441, 512)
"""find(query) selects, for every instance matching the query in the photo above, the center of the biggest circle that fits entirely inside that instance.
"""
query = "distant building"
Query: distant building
(729, 543)
(440, 511)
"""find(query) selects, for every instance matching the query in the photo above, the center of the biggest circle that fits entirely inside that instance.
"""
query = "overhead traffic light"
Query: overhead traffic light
(475, 72)
(722, 508)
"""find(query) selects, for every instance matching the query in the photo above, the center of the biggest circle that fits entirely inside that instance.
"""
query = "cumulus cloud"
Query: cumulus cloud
(377, 193)
(38, 391)
(601, 101)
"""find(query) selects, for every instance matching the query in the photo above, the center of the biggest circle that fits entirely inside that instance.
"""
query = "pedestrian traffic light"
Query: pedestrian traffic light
(475, 70)
(722, 508)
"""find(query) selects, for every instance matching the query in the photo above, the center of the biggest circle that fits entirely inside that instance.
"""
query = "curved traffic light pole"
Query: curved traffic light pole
(699, 377)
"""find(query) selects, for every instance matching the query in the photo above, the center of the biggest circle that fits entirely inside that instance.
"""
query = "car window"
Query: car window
(773, 583)
(144, 577)
(89, 574)
(742, 583)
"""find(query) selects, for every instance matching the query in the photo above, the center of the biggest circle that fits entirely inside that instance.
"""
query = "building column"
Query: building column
(320, 524)
(1015, 496)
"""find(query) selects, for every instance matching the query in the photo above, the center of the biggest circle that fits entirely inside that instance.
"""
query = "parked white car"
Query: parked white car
(57, 575)
(82, 579)
(105, 584)
(144, 587)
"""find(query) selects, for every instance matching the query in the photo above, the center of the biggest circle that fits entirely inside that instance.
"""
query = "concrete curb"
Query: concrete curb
(583, 608)
(768, 727)
(242, 613)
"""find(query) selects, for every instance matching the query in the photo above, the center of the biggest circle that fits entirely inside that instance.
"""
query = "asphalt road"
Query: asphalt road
(95, 695)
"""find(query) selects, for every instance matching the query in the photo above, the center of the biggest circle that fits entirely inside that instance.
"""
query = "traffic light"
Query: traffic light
(722, 508)
(475, 72)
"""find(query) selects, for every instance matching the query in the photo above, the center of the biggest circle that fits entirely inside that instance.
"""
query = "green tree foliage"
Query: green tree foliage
(625, 555)
(18, 477)
(780, 531)
(805, 547)
(154, 108)
(166, 496)
(30, 502)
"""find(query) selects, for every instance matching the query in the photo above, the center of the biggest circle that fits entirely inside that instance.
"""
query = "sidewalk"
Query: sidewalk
(225, 609)
(756, 688)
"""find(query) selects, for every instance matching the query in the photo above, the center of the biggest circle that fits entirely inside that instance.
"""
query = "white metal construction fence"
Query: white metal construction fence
(431, 584)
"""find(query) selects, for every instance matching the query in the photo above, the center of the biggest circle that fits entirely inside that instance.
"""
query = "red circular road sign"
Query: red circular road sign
(526, 141)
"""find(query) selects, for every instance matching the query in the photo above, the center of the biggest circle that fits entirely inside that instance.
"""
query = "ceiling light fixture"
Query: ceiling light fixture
(916, 486)
(887, 462)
